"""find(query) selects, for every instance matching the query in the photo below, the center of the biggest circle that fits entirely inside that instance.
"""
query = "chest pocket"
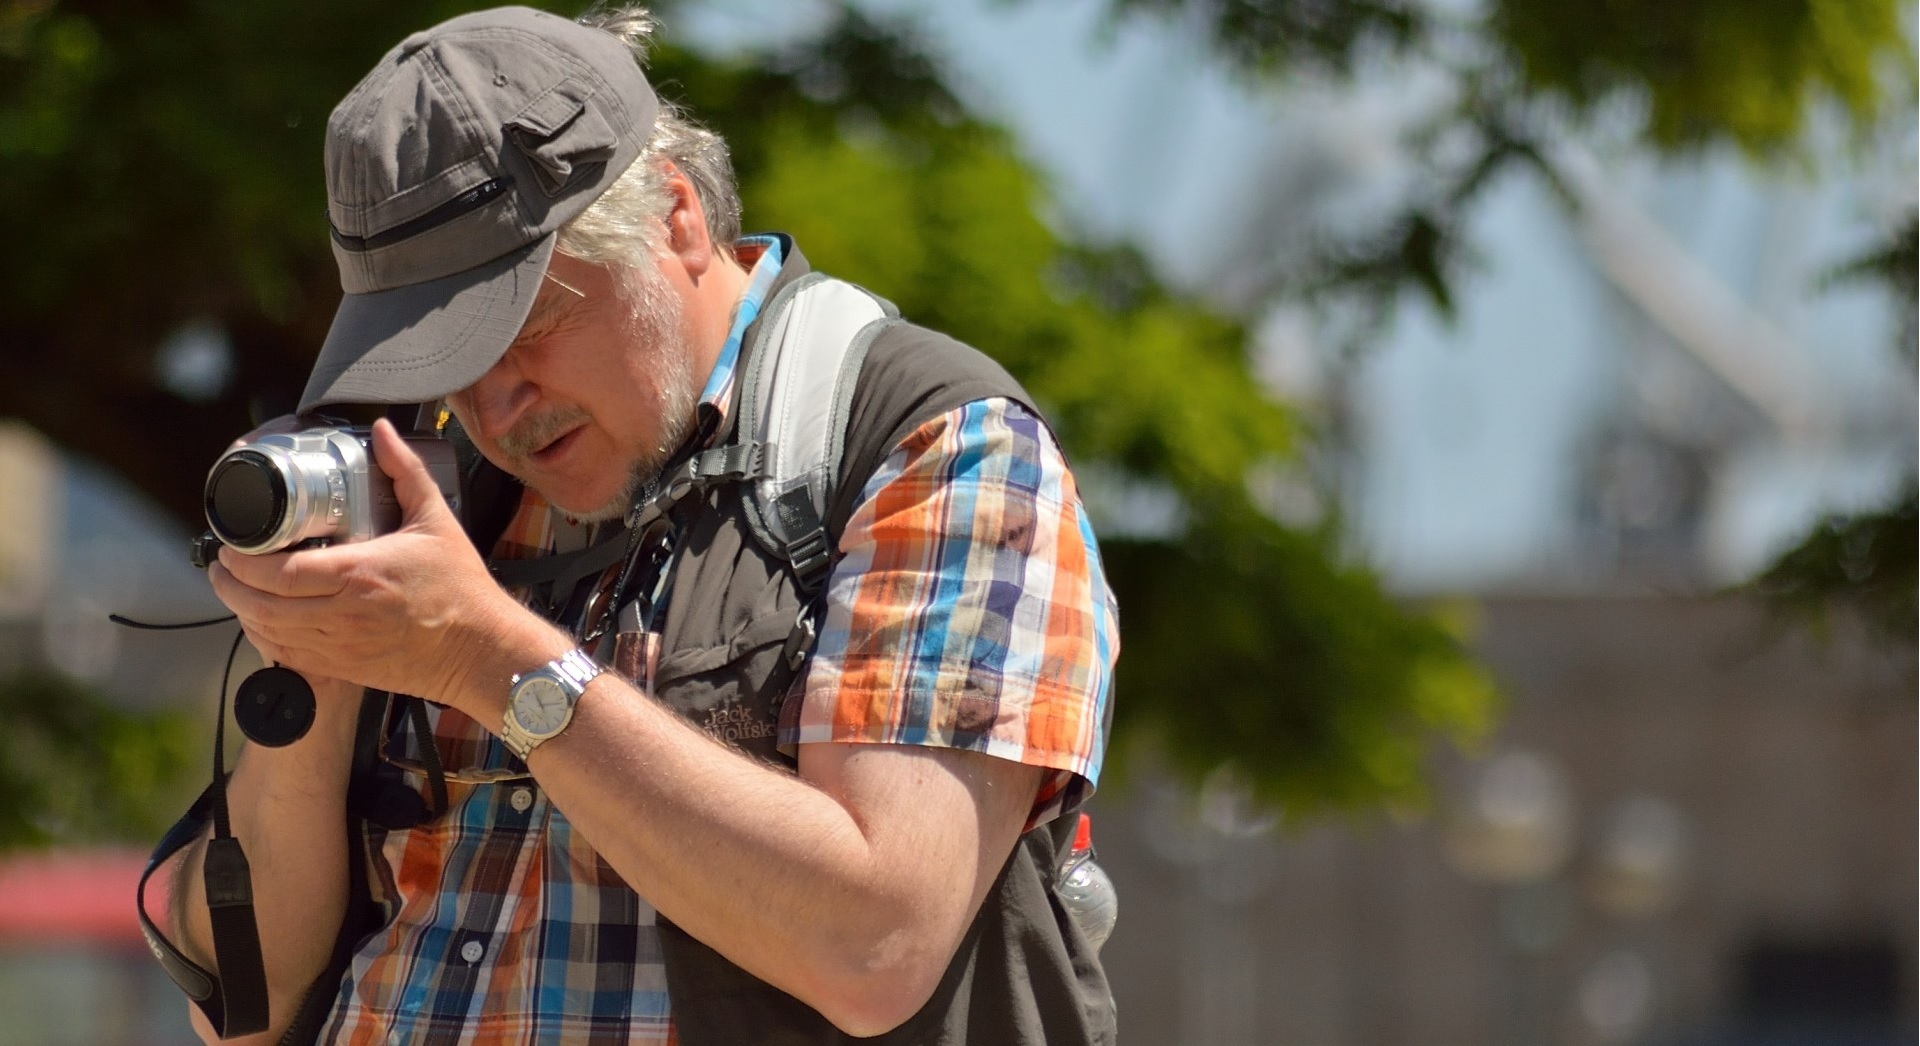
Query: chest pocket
(729, 611)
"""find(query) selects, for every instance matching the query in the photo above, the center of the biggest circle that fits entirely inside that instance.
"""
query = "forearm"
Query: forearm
(758, 863)
(287, 807)
(852, 914)
(854, 917)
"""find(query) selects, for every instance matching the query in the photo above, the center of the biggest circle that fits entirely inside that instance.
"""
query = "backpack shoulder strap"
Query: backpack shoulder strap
(796, 398)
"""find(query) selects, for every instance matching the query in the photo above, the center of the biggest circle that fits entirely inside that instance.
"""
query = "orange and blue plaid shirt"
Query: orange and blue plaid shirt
(967, 610)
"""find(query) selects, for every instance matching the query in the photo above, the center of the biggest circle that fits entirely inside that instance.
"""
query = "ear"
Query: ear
(687, 238)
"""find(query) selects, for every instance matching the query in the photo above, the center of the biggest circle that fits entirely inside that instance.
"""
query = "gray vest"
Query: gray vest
(1023, 972)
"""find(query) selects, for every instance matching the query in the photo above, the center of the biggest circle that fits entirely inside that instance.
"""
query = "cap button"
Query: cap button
(416, 41)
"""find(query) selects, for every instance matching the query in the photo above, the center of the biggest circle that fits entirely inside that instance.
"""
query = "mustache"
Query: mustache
(538, 430)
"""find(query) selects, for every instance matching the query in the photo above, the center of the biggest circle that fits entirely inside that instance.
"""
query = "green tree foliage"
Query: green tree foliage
(1862, 564)
(1745, 70)
(76, 769)
(163, 164)
(1277, 36)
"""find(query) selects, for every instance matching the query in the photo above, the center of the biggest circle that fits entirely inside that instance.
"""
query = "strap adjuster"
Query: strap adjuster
(810, 555)
(800, 639)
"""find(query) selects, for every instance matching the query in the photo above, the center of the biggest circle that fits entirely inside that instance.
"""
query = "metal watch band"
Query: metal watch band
(572, 670)
(576, 665)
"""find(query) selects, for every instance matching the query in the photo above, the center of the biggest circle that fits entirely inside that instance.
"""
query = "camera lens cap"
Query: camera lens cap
(246, 498)
(274, 707)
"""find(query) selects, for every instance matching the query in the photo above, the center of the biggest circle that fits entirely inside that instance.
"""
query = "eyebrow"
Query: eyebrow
(546, 303)
(545, 307)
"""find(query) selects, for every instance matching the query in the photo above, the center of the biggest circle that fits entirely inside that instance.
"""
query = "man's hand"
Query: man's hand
(411, 612)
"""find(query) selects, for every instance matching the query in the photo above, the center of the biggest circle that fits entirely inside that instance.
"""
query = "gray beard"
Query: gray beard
(655, 323)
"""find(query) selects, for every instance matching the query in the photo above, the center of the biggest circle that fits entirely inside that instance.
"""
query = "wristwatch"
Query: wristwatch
(540, 703)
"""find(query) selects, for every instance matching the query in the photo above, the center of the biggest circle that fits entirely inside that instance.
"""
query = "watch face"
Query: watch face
(540, 705)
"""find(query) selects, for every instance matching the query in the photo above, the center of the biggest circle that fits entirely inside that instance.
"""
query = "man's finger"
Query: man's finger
(258, 609)
(297, 658)
(245, 602)
(269, 654)
(293, 647)
(413, 485)
(303, 573)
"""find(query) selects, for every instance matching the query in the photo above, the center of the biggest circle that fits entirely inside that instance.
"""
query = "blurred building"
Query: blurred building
(1691, 830)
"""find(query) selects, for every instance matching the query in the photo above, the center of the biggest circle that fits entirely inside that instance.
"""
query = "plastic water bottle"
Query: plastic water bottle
(1085, 889)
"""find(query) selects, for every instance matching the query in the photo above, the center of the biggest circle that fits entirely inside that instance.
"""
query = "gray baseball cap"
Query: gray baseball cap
(450, 168)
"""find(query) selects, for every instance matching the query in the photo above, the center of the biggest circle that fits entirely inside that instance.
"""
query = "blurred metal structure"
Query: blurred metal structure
(1742, 347)
(1646, 381)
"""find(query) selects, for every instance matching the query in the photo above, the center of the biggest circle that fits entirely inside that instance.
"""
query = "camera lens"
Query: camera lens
(246, 498)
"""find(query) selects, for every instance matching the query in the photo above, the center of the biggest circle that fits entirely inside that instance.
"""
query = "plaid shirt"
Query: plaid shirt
(968, 610)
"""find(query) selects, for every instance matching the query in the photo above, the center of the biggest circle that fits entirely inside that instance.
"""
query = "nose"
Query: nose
(499, 399)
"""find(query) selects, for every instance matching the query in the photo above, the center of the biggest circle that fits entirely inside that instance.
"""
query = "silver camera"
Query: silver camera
(315, 487)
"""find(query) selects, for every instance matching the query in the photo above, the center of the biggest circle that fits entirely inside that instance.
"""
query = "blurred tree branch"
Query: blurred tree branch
(1862, 564)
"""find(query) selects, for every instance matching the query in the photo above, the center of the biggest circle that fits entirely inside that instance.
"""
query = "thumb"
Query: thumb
(421, 502)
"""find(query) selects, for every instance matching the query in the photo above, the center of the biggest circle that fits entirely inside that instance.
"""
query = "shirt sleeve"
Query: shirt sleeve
(969, 609)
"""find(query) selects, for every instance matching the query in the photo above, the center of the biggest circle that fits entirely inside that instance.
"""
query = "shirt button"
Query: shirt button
(472, 951)
(521, 799)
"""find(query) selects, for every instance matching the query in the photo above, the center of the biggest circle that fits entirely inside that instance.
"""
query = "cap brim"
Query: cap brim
(426, 340)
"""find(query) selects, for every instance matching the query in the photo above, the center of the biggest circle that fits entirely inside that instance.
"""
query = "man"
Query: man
(718, 842)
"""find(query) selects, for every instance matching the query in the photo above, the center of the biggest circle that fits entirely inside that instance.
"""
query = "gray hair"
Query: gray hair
(624, 225)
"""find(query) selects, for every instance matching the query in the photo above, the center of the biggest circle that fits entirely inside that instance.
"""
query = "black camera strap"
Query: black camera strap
(234, 1003)
(363, 914)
